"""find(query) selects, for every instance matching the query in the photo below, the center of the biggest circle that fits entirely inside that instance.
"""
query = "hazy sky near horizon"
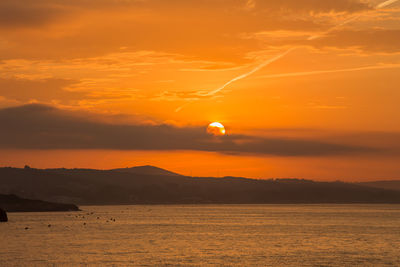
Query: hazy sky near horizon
(116, 83)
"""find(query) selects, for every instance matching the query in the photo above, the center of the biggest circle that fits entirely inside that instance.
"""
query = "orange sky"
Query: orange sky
(154, 62)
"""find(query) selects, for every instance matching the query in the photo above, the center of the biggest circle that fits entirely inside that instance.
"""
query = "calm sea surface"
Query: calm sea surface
(239, 235)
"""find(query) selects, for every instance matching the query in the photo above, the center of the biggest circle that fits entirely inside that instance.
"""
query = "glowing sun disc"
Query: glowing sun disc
(216, 129)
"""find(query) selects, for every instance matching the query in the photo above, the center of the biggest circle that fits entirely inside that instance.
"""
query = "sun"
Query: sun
(216, 129)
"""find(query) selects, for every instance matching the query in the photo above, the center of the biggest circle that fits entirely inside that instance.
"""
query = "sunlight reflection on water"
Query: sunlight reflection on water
(291, 235)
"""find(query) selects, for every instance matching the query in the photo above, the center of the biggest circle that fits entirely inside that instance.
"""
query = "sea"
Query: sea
(205, 235)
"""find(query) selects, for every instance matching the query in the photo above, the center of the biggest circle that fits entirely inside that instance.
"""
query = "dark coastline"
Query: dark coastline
(13, 203)
(139, 186)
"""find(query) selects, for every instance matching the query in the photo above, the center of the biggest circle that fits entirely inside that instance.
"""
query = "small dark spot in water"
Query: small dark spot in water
(49, 225)
(27, 228)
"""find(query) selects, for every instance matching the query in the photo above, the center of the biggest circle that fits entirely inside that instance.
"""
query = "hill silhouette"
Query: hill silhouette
(148, 170)
(106, 187)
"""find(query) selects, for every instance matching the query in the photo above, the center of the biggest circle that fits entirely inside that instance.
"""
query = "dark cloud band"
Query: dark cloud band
(44, 127)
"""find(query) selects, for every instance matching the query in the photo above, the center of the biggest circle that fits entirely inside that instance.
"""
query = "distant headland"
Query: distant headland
(13, 203)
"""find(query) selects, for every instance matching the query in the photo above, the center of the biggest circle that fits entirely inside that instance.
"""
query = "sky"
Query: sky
(304, 88)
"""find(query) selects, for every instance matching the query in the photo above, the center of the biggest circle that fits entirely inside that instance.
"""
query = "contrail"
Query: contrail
(306, 73)
(240, 77)
(334, 28)
(181, 107)
(271, 60)
(387, 3)
(265, 63)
